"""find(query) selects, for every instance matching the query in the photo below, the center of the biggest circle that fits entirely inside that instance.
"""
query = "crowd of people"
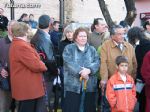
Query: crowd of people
(78, 70)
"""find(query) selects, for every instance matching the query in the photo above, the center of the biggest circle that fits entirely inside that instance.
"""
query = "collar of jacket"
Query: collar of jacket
(119, 78)
(44, 33)
(114, 45)
(21, 41)
(96, 33)
(86, 47)
(67, 41)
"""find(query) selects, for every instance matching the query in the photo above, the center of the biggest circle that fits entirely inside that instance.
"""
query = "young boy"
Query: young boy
(120, 91)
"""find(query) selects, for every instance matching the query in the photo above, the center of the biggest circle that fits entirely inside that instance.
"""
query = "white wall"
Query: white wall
(47, 7)
(83, 12)
(87, 10)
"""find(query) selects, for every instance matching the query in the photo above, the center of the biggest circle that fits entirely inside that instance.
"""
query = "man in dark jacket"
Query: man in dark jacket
(3, 23)
(55, 38)
(43, 45)
(5, 95)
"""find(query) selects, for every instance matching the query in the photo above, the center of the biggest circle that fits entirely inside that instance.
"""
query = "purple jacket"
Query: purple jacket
(4, 52)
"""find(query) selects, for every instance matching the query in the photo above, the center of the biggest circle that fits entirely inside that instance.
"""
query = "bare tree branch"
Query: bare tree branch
(105, 13)
(131, 11)
(130, 7)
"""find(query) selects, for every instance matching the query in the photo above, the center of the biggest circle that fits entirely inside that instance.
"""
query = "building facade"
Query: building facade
(143, 11)
(83, 11)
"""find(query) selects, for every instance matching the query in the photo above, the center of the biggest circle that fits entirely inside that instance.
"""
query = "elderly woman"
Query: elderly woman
(81, 62)
(66, 39)
(26, 70)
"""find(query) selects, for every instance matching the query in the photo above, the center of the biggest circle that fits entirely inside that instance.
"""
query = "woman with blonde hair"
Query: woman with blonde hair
(26, 69)
(66, 39)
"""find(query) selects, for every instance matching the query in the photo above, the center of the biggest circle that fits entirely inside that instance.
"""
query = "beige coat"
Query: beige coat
(109, 52)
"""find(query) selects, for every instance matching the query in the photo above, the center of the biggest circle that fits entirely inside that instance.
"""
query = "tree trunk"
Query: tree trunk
(131, 11)
(105, 13)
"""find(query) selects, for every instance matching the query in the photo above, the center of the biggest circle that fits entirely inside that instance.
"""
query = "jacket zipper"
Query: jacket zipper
(126, 97)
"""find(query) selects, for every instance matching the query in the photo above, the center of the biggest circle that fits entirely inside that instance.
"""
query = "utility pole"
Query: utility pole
(12, 9)
(57, 55)
(61, 13)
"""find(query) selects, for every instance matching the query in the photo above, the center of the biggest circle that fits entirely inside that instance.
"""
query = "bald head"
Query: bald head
(9, 26)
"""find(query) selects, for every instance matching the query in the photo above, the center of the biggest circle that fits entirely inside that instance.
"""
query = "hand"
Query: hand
(4, 73)
(102, 85)
(84, 76)
(85, 73)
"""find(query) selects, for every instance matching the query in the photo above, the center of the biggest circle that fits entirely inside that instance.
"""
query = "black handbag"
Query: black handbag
(50, 64)
(56, 87)
(52, 67)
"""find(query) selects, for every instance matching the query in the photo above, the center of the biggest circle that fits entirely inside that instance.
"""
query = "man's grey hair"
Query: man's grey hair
(113, 29)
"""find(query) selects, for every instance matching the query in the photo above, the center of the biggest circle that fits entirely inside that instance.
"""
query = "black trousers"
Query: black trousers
(27, 105)
(142, 100)
(72, 102)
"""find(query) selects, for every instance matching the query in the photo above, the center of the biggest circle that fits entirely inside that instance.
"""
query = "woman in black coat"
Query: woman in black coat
(142, 46)
(66, 39)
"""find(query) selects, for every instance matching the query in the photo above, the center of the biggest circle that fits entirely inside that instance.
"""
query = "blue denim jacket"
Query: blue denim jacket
(74, 59)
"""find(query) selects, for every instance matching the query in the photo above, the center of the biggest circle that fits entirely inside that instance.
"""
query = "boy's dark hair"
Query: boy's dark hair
(121, 59)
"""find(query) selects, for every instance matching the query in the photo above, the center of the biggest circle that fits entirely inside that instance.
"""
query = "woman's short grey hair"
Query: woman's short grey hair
(113, 29)
(66, 30)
